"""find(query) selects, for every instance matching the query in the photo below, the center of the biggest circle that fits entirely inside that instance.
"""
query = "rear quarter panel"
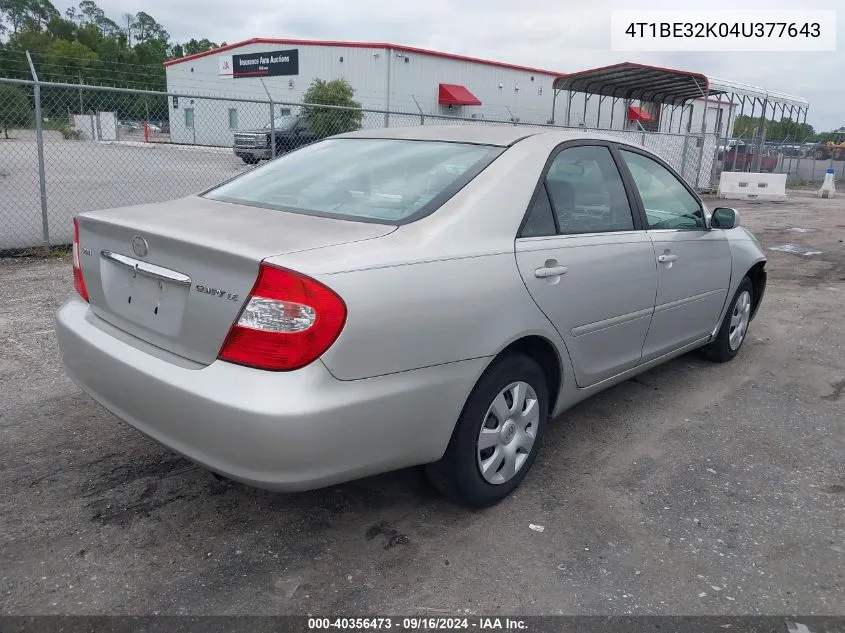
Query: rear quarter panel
(430, 313)
(443, 288)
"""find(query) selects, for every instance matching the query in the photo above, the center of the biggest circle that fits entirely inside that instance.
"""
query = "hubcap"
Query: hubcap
(740, 317)
(508, 433)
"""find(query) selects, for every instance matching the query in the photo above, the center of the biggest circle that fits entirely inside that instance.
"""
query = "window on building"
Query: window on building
(719, 114)
(233, 119)
(189, 118)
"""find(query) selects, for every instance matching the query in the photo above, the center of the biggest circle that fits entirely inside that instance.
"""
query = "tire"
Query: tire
(249, 160)
(458, 474)
(723, 348)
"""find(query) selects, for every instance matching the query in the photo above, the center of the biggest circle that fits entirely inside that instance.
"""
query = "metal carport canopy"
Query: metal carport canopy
(661, 85)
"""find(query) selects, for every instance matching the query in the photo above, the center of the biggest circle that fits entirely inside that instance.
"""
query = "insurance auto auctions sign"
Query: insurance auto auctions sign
(264, 64)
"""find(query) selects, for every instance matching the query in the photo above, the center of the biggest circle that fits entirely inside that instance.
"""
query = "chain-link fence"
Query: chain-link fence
(803, 161)
(67, 148)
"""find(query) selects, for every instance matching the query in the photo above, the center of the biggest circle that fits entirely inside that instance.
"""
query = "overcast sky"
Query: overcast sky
(540, 33)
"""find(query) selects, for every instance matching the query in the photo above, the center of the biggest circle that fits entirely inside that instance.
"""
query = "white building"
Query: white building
(418, 82)
(384, 76)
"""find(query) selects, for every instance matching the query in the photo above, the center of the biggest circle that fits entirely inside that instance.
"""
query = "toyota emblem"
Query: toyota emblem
(139, 245)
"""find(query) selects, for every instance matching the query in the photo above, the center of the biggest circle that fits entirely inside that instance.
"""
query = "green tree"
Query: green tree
(70, 57)
(147, 29)
(13, 13)
(746, 126)
(192, 46)
(330, 121)
(15, 109)
(62, 29)
(85, 44)
(90, 13)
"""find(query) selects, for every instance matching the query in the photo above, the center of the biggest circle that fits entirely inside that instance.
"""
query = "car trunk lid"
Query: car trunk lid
(177, 274)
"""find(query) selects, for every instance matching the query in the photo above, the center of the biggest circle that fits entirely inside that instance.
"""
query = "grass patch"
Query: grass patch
(800, 184)
(68, 133)
(38, 252)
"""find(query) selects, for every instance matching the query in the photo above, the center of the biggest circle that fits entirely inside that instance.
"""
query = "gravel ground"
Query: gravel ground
(692, 489)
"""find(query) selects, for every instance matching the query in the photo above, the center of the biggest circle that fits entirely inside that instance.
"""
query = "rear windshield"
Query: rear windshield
(381, 180)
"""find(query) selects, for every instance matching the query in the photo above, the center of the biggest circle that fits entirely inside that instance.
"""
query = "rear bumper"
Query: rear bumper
(258, 153)
(277, 430)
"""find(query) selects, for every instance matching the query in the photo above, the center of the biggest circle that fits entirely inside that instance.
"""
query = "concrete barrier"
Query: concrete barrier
(739, 185)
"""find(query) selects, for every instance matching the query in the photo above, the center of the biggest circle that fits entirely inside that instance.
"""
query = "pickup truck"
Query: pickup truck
(291, 132)
(741, 158)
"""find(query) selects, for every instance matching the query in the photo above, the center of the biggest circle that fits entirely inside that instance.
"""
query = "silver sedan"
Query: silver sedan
(391, 298)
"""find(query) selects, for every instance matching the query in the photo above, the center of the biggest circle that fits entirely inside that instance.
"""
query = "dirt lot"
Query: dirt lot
(692, 489)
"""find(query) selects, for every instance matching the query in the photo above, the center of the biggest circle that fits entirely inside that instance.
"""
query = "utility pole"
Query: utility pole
(81, 111)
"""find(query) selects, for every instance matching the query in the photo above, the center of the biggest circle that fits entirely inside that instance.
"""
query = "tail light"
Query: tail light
(288, 322)
(78, 281)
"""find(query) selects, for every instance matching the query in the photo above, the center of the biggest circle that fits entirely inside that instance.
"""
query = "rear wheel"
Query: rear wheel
(734, 327)
(497, 436)
(249, 160)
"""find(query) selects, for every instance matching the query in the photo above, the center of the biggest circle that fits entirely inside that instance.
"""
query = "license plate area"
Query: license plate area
(147, 295)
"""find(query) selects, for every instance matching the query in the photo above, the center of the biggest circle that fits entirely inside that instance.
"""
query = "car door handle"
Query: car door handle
(550, 271)
(666, 259)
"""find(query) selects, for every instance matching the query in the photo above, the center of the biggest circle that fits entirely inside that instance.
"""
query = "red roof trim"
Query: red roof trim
(681, 73)
(395, 47)
(453, 94)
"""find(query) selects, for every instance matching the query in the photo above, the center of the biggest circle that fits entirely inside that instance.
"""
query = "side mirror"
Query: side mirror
(724, 218)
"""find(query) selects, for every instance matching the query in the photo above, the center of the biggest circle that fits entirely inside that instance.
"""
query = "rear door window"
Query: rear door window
(540, 221)
(587, 192)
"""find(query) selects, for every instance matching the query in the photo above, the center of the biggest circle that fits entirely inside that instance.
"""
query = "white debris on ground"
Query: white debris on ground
(795, 249)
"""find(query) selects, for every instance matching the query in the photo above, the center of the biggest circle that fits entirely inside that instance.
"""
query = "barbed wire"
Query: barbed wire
(22, 53)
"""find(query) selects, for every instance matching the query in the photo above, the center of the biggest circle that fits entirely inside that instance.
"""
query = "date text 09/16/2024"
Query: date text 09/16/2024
(417, 623)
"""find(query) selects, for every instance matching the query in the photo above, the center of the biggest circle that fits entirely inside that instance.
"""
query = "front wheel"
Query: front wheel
(734, 328)
(497, 436)
(249, 160)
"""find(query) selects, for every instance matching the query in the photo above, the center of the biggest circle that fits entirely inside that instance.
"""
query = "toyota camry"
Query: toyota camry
(399, 297)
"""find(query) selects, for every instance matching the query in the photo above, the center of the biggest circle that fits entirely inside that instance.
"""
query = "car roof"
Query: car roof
(482, 134)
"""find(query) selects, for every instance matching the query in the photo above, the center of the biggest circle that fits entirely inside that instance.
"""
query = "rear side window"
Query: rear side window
(540, 221)
(587, 192)
(385, 180)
